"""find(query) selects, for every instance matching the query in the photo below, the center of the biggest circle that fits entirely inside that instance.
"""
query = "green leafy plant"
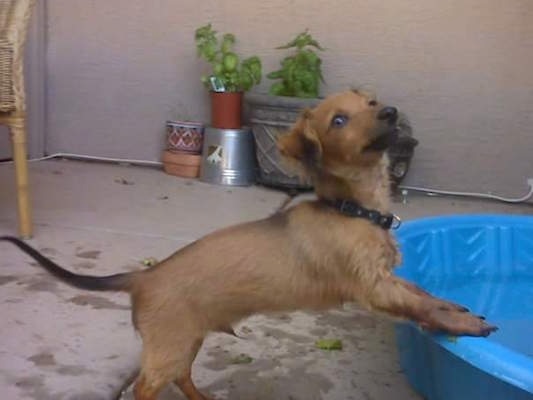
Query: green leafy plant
(301, 72)
(227, 68)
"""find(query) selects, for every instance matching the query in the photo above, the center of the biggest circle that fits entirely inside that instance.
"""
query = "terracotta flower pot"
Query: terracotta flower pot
(181, 164)
(226, 110)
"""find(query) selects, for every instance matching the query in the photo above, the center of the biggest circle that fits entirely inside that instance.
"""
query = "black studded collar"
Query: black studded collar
(355, 210)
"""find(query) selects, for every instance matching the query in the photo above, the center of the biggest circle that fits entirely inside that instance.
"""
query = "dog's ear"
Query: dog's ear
(301, 143)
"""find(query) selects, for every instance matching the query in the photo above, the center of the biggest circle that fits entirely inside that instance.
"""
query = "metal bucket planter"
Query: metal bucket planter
(269, 116)
(228, 157)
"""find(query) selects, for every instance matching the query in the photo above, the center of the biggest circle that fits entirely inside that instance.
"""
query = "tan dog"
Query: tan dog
(315, 255)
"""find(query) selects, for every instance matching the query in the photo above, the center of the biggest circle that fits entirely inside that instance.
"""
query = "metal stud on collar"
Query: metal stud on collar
(396, 222)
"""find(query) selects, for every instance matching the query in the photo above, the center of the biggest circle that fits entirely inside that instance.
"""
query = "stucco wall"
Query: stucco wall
(461, 69)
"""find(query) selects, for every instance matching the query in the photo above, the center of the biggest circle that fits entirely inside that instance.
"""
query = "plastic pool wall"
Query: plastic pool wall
(484, 262)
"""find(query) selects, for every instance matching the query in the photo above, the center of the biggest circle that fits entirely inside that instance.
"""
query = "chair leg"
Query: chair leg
(20, 154)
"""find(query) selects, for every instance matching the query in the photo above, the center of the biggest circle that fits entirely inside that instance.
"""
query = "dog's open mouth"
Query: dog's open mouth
(383, 141)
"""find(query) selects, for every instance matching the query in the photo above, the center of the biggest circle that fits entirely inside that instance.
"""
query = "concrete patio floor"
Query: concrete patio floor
(60, 343)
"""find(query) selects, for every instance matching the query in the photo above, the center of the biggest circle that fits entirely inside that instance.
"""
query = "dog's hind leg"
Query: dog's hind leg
(184, 381)
(398, 298)
(186, 385)
(164, 362)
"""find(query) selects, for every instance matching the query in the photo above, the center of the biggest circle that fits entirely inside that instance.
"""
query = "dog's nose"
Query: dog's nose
(388, 114)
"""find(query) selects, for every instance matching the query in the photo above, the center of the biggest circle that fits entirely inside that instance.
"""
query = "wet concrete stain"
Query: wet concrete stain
(88, 396)
(319, 332)
(89, 254)
(85, 265)
(281, 317)
(220, 360)
(5, 279)
(347, 320)
(29, 382)
(281, 334)
(13, 301)
(124, 181)
(48, 251)
(96, 302)
(34, 387)
(43, 359)
(297, 350)
(72, 370)
(40, 283)
(267, 380)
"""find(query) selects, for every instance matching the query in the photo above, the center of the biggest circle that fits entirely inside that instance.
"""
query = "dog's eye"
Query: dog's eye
(339, 121)
(372, 103)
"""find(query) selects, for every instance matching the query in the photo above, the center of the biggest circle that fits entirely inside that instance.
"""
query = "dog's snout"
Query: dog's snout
(388, 114)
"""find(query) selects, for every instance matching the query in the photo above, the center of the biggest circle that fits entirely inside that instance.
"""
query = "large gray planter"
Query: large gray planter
(269, 116)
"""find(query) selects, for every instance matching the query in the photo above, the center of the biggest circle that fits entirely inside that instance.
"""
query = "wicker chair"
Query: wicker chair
(14, 18)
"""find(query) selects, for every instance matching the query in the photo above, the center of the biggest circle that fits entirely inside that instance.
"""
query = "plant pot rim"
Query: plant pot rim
(228, 92)
(183, 122)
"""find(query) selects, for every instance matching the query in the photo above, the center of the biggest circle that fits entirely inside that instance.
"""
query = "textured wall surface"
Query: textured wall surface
(461, 69)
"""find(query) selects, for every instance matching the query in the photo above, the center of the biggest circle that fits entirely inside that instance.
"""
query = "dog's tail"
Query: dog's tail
(117, 282)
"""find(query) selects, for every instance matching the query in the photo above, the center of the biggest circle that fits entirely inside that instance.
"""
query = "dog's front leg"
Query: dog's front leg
(402, 299)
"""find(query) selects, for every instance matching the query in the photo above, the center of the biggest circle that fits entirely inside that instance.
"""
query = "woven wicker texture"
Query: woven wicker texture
(14, 19)
(7, 95)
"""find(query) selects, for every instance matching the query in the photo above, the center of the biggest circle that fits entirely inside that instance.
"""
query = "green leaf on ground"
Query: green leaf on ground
(329, 344)
(242, 359)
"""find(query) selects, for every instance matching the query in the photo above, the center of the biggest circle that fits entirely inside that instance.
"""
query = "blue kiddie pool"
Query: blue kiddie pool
(484, 262)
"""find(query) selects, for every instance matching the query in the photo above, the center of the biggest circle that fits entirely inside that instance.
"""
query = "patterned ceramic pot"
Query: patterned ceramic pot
(185, 136)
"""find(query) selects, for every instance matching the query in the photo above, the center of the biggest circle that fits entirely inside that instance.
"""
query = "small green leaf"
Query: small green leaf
(329, 344)
(242, 359)
(314, 43)
(274, 75)
(246, 81)
(227, 42)
(218, 68)
(277, 89)
(149, 261)
(451, 339)
(230, 62)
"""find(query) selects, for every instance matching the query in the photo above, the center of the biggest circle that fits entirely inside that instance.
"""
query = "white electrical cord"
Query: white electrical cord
(429, 191)
(92, 158)
(467, 194)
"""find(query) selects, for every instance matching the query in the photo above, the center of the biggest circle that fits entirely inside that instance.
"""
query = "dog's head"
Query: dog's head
(345, 132)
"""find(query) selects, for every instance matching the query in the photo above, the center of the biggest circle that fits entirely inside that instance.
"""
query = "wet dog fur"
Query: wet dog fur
(306, 257)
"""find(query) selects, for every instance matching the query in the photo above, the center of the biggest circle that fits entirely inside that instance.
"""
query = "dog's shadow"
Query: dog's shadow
(269, 380)
(261, 380)
(277, 359)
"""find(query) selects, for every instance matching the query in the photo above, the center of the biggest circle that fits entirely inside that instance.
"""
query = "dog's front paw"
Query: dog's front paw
(456, 322)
